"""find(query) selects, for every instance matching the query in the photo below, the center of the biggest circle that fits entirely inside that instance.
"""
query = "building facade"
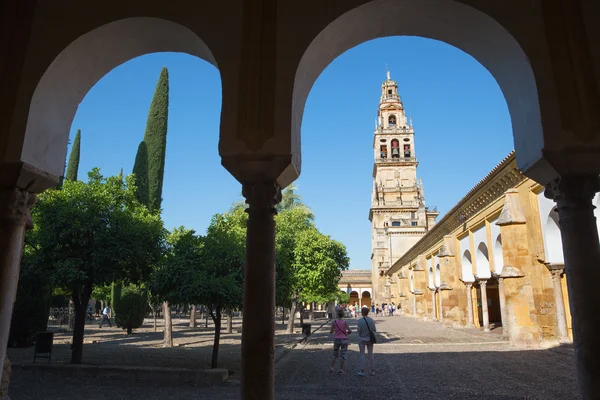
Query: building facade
(357, 284)
(398, 215)
(494, 260)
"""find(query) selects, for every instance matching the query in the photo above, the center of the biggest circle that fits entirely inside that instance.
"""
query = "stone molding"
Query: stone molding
(509, 271)
(15, 205)
(573, 194)
(504, 176)
(512, 212)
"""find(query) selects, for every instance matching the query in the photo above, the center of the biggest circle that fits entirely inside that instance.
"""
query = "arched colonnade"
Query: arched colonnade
(269, 53)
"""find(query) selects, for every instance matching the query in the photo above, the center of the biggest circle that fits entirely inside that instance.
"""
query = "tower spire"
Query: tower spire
(387, 72)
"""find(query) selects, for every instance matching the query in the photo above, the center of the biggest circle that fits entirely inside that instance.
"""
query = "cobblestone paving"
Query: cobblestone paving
(414, 360)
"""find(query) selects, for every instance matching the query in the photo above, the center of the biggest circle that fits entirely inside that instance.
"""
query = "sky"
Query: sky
(461, 121)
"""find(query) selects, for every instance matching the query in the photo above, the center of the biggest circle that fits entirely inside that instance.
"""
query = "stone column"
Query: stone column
(561, 316)
(581, 248)
(502, 297)
(470, 322)
(484, 305)
(258, 328)
(433, 305)
(414, 305)
(441, 316)
(14, 208)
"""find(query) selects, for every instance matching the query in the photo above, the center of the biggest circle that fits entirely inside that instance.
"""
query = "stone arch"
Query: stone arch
(365, 298)
(80, 66)
(479, 35)
(498, 255)
(552, 239)
(482, 259)
(467, 266)
(354, 297)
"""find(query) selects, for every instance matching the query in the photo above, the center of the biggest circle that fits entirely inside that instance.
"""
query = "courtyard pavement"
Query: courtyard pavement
(414, 360)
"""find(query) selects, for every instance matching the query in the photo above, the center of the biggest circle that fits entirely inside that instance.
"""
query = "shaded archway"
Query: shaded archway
(354, 298)
(479, 35)
(80, 66)
(365, 299)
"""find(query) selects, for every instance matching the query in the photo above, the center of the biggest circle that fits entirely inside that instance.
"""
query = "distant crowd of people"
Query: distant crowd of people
(354, 310)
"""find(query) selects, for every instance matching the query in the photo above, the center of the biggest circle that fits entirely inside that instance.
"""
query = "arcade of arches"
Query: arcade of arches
(544, 55)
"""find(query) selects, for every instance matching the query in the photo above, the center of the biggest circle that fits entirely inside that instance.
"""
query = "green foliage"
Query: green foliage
(73, 166)
(140, 170)
(133, 307)
(95, 233)
(342, 297)
(290, 200)
(288, 223)
(116, 291)
(32, 305)
(318, 265)
(103, 293)
(171, 279)
(155, 138)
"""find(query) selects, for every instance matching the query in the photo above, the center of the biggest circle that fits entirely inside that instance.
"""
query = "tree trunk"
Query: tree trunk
(290, 327)
(193, 317)
(229, 322)
(311, 316)
(129, 329)
(80, 302)
(168, 333)
(206, 319)
(215, 353)
(282, 315)
(154, 315)
(301, 308)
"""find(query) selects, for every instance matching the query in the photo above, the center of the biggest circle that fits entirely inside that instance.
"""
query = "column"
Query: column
(414, 305)
(433, 305)
(484, 305)
(441, 316)
(581, 248)
(561, 316)
(14, 208)
(470, 322)
(502, 296)
(258, 328)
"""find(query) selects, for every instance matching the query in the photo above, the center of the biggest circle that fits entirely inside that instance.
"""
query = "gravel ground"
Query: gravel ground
(414, 360)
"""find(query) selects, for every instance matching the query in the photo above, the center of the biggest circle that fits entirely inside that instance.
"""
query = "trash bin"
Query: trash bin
(306, 329)
(43, 345)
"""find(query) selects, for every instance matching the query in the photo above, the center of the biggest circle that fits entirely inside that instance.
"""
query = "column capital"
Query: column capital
(261, 197)
(573, 193)
(15, 205)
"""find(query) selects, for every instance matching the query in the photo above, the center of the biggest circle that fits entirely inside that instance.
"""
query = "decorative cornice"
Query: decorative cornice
(502, 177)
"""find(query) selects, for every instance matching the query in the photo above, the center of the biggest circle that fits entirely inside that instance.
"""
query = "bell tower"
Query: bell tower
(398, 215)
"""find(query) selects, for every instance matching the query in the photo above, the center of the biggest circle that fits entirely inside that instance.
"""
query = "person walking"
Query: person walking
(366, 339)
(106, 315)
(341, 330)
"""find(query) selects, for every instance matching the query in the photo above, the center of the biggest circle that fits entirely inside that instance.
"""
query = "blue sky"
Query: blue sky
(461, 121)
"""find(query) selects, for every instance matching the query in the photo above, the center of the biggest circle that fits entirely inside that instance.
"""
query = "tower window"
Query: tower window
(395, 148)
(407, 150)
(383, 151)
(414, 223)
(395, 223)
(392, 120)
(389, 91)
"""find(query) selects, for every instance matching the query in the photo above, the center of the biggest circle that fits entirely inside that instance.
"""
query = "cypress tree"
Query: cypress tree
(140, 170)
(73, 166)
(155, 138)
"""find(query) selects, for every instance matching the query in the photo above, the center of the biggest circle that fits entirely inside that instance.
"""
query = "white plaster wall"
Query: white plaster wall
(430, 272)
(495, 251)
(549, 221)
(467, 267)
(482, 265)
(437, 274)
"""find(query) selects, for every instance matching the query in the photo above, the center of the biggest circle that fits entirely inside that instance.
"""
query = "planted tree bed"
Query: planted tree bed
(192, 346)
